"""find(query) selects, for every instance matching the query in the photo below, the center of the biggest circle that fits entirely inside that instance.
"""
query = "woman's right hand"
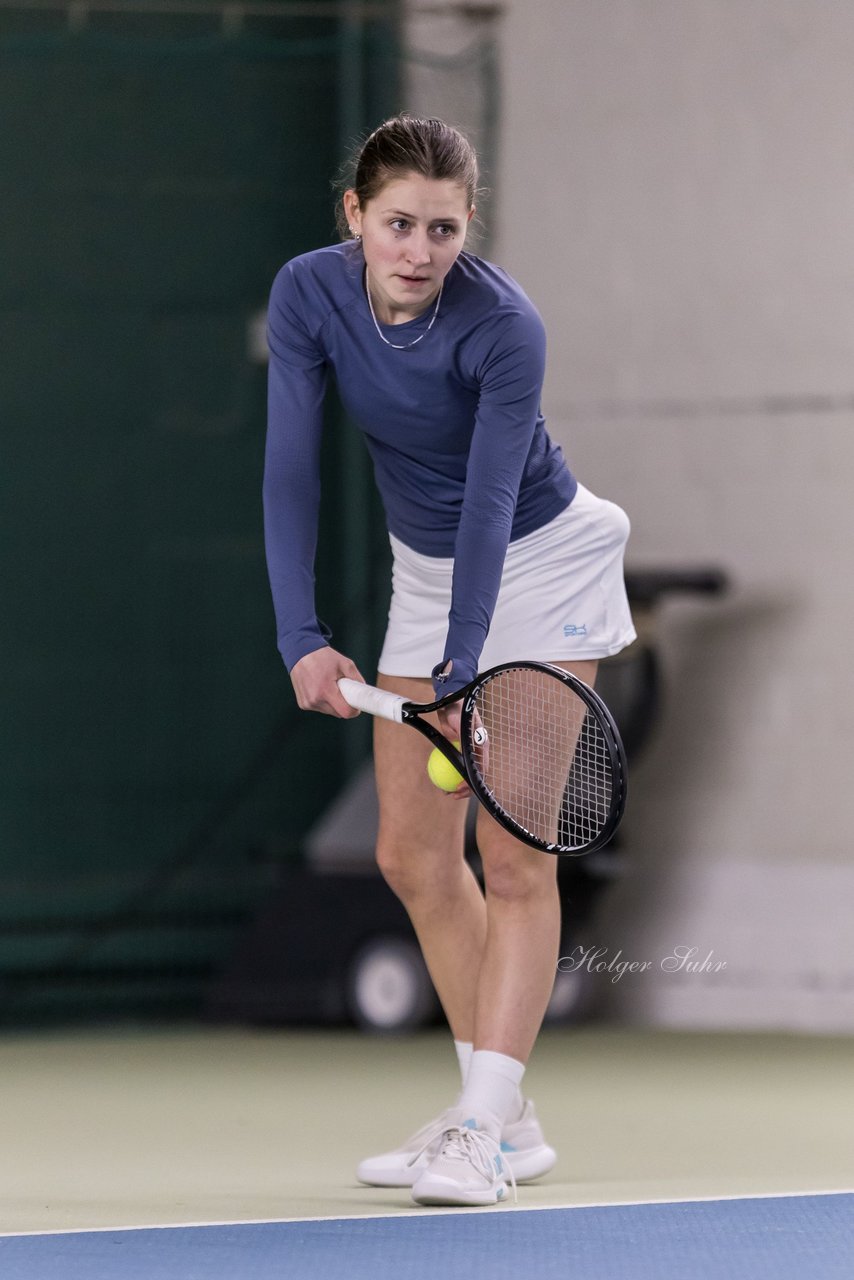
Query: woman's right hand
(315, 679)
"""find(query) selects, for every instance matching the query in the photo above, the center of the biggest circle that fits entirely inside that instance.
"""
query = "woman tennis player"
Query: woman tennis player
(498, 554)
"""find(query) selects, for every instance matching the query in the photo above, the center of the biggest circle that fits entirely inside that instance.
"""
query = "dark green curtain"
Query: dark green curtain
(157, 172)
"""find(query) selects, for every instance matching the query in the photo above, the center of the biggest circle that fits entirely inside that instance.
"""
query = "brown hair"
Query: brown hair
(407, 144)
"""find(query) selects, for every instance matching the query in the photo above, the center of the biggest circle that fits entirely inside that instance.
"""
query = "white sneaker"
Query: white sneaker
(468, 1170)
(524, 1147)
(401, 1167)
(522, 1143)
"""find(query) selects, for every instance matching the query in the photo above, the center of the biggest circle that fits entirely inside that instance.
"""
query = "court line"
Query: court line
(420, 1213)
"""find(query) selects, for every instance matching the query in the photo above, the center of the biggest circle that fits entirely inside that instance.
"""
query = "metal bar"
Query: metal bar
(355, 501)
(369, 11)
(222, 9)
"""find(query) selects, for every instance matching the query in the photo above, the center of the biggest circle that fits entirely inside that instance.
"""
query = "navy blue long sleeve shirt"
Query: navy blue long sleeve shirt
(460, 452)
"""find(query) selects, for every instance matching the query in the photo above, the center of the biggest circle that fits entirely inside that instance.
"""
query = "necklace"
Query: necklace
(402, 346)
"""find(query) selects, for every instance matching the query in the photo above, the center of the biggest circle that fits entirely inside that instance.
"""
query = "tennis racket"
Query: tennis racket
(539, 749)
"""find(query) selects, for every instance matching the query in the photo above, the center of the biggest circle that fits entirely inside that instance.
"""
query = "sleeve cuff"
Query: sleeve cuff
(450, 675)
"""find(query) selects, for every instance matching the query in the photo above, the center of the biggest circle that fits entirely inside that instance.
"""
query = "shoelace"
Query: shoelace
(478, 1149)
(427, 1135)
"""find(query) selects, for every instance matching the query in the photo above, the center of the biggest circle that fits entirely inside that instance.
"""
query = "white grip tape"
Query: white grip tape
(377, 702)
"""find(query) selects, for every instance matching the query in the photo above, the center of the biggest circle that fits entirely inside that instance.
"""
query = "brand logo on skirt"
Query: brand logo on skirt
(575, 629)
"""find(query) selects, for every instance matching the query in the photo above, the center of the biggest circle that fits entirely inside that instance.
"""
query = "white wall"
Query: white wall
(675, 193)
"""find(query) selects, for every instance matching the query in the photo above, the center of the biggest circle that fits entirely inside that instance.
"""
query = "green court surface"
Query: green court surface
(133, 1127)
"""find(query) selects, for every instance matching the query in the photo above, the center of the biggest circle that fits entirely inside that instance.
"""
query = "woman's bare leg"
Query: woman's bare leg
(523, 934)
(420, 853)
(492, 960)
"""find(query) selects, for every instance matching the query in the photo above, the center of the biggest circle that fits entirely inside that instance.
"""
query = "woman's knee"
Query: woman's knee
(514, 873)
(412, 869)
(396, 867)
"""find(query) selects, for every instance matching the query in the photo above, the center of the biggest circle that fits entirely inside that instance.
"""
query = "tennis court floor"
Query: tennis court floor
(230, 1153)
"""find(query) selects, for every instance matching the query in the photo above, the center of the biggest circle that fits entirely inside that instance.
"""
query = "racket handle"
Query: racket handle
(377, 702)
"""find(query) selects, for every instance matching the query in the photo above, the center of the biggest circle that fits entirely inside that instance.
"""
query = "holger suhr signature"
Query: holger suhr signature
(680, 960)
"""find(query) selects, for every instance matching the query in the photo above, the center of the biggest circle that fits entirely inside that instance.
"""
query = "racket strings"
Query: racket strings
(545, 761)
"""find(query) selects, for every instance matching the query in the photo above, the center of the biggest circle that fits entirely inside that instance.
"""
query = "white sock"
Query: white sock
(464, 1050)
(491, 1094)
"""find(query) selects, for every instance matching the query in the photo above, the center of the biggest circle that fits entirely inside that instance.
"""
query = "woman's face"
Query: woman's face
(412, 233)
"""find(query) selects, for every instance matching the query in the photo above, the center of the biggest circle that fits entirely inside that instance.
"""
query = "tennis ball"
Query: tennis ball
(441, 772)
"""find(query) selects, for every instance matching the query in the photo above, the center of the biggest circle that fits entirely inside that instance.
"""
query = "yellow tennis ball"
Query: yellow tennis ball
(441, 772)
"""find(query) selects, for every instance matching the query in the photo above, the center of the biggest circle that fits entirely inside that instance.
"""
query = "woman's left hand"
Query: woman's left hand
(449, 723)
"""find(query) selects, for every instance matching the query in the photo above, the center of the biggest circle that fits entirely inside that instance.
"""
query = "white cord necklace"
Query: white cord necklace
(402, 346)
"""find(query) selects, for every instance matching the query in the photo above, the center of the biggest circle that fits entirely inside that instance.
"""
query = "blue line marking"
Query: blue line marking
(774, 1238)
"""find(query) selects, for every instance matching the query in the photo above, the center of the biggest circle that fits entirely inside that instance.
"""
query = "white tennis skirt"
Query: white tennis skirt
(562, 596)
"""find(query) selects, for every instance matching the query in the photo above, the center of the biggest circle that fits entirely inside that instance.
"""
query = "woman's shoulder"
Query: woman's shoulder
(321, 280)
(487, 294)
(487, 285)
(326, 261)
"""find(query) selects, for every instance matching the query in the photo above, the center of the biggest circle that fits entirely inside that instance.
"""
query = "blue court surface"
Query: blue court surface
(809, 1237)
